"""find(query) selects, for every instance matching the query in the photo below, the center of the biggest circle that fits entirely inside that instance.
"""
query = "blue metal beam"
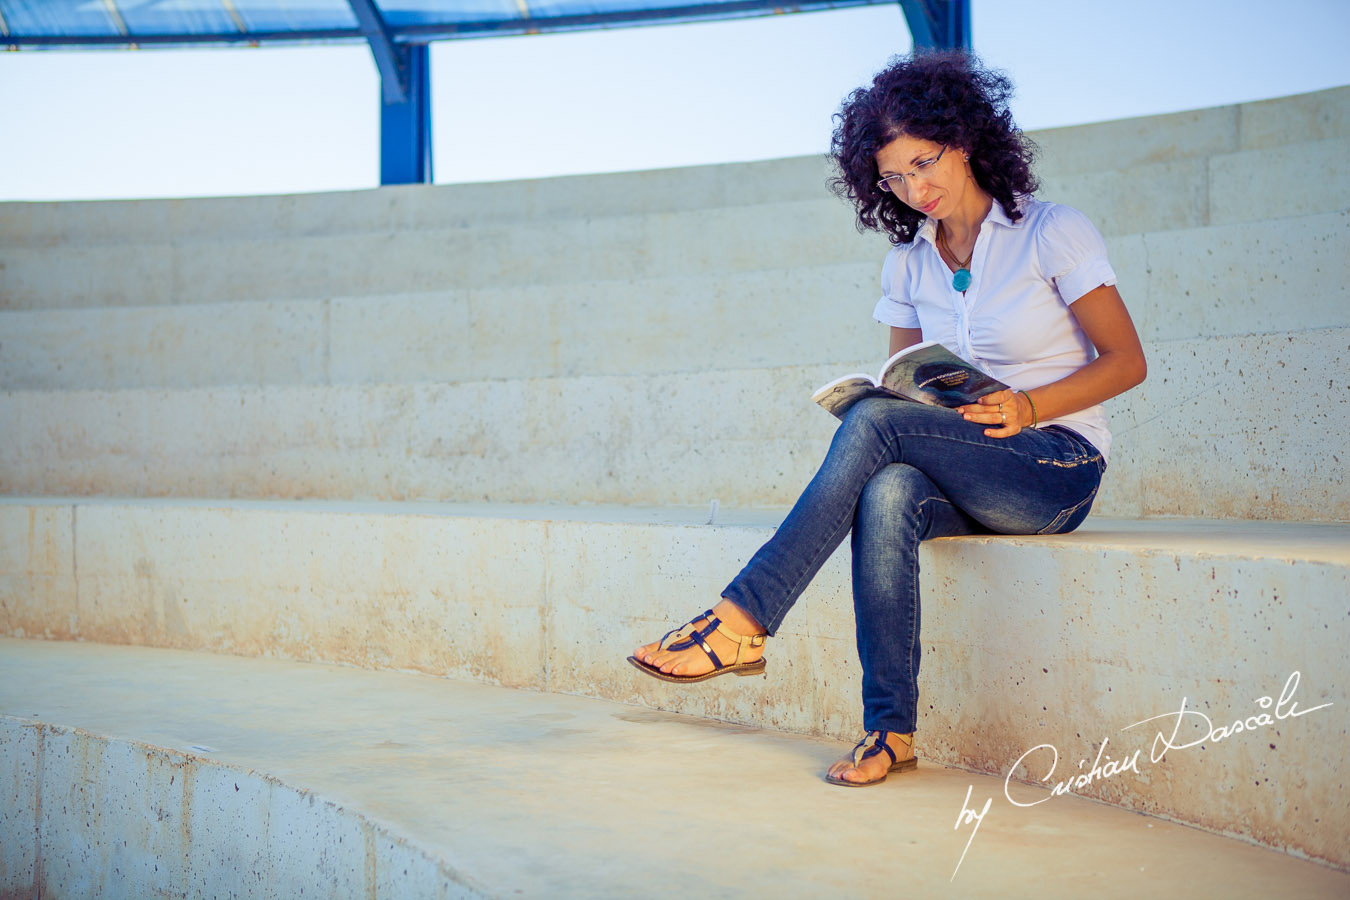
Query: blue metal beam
(405, 99)
(938, 24)
(405, 127)
(393, 81)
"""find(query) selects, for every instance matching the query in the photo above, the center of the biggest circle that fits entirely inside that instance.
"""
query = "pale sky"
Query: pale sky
(164, 123)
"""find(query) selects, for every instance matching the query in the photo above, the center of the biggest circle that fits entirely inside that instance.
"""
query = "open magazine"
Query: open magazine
(925, 373)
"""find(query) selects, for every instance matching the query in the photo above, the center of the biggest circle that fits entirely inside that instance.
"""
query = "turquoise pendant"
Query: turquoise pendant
(961, 280)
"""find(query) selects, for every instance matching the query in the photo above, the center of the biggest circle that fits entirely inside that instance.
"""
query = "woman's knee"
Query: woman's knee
(890, 417)
(869, 412)
(893, 492)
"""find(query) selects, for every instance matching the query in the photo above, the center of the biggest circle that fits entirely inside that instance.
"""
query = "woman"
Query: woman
(1020, 288)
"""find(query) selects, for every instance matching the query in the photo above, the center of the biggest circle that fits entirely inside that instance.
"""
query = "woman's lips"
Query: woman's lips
(929, 208)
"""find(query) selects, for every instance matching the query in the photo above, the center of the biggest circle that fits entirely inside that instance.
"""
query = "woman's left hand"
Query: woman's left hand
(1006, 411)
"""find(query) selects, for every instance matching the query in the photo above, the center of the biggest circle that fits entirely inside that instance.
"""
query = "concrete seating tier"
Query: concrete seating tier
(1032, 640)
(170, 269)
(1228, 427)
(389, 785)
(1213, 281)
(1225, 141)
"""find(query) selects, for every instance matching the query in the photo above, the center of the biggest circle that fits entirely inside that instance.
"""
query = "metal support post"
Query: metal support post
(938, 24)
(405, 125)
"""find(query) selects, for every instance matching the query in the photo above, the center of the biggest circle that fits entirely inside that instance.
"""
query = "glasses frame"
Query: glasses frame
(916, 173)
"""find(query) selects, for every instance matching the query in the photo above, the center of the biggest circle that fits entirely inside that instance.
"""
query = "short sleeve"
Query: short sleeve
(894, 308)
(1073, 253)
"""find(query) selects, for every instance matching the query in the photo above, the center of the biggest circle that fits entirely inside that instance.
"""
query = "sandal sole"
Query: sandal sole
(904, 765)
(753, 668)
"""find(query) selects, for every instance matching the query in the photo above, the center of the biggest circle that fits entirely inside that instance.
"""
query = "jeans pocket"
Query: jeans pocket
(1071, 517)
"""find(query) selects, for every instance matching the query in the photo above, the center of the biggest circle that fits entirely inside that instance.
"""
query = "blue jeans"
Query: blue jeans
(899, 473)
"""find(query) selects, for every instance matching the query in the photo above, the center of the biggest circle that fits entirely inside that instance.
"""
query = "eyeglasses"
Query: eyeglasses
(922, 172)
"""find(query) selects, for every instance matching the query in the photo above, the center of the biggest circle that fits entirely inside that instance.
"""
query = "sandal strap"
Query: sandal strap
(682, 633)
(742, 640)
(874, 743)
(690, 635)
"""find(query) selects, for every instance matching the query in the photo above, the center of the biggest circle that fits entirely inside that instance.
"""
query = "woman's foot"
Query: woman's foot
(864, 767)
(692, 661)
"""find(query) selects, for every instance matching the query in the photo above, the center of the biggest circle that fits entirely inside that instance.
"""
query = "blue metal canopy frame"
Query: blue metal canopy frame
(398, 32)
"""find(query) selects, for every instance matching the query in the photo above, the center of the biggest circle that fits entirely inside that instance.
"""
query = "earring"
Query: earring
(967, 157)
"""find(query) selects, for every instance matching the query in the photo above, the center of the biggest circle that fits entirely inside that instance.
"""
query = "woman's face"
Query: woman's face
(935, 189)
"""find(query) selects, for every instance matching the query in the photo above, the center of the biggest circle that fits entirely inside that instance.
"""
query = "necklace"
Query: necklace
(961, 277)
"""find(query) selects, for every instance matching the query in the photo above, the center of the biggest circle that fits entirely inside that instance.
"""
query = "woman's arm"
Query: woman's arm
(1118, 367)
(904, 337)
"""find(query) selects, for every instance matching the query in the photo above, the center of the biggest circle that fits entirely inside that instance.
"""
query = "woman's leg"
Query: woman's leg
(899, 507)
(1031, 482)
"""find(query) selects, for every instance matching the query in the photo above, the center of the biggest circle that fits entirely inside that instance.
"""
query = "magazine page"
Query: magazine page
(934, 375)
(839, 395)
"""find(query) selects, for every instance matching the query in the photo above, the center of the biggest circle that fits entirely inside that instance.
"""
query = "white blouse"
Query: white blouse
(1014, 321)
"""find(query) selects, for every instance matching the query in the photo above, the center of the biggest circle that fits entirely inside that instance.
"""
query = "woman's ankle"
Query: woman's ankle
(736, 618)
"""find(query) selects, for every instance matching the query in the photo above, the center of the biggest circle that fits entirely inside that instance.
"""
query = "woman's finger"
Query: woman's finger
(996, 397)
(982, 404)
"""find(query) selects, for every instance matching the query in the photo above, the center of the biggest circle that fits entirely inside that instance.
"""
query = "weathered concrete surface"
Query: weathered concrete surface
(667, 244)
(1079, 635)
(514, 793)
(91, 816)
(1210, 281)
(1235, 427)
(1228, 427)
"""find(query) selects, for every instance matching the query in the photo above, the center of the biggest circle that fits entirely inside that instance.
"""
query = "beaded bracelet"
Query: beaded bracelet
(1034, 417)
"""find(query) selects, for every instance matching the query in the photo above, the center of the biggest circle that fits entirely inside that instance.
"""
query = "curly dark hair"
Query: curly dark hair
(946, 97)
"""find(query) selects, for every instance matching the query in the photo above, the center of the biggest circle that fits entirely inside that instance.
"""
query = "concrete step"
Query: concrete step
(1199, 133)
(1234, 427)
(1250, 185)
(1062, 640)
(164, 772)
(1224, 189)
(665, 244)
(1213, 281)
(1226, 427)
(616, 327)
(414, 208)
(1077, 150)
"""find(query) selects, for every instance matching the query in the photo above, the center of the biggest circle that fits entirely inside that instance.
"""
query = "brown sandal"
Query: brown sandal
(690, 635)
(870, 746)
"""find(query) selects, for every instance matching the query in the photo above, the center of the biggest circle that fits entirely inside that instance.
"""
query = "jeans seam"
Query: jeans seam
(1079, 460)
(911, 677)
(1067, 464)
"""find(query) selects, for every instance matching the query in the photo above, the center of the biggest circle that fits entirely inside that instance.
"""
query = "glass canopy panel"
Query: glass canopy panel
(296, 15)
(73, 22)
(175, 17)
(53, 17)
(403, 13)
